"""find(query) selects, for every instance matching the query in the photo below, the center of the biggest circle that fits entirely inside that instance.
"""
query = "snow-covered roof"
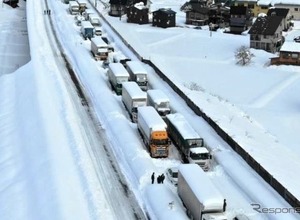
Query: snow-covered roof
(136, 67)
(86, 24)
(118, 69)
(183, 126)
(202, 186)
(134, 90)
(290, 46)
(199, 150)
(273, 2)
(99, 41)
(157, 96)
(151, 118)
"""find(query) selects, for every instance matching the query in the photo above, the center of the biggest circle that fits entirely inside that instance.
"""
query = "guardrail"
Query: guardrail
(274, 183)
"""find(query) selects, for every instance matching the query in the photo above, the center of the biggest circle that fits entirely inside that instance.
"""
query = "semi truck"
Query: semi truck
(73, 8)
(153, 130)
(133, 97)
(87, 30)
(188, 141)
(99, 48)
(95, 20)
(137, 73)
(158, 99)
(117, 74)
(201, 198)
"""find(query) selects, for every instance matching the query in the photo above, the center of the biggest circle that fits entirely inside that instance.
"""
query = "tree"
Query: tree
(243, 55)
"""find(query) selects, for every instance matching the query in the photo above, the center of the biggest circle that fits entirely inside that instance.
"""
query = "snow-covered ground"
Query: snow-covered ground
(48, 170)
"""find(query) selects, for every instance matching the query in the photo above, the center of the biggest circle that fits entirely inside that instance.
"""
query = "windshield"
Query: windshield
(203, 156)
(160, 141)
(196, 143)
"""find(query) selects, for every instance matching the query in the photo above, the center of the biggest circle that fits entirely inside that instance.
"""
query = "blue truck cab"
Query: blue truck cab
(87, 30)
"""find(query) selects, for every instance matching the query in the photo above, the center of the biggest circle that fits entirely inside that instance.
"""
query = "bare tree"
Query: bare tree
(243, 55)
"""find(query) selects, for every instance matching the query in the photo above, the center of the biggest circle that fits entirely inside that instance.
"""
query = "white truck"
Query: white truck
(158, 99)
(73, 8)
(201, 198)
(117, 74)
(138, 73)
(133, 97)
(95, 20)
(188, 141)
(153, 130)
(99, 48)
(87, 13)
(87, 30)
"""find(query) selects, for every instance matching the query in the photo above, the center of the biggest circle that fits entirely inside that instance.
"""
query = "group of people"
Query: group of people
(47, 12)
(160, 178)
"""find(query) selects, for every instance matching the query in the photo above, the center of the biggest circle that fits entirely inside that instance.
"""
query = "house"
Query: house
(262, 7)
(138, 14)
(197, 14)
(266, 33)
(293, 5)
(240, 19)
(187, 6)
(289, 54)
(164, 17)
(250, 4)
(117, 7)
(282, 12)
(219, 14)
(12, 3)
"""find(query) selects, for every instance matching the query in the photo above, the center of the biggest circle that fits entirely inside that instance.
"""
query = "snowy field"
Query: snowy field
(47, 169)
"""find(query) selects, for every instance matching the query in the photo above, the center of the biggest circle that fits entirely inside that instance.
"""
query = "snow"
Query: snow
(291, 47)
(118, 70)
(49, 169)
(134, 91)
(149, 120)
(136, 67)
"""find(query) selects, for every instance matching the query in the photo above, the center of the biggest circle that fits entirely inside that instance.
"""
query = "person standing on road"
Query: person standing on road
(162, 178)
(152, 177)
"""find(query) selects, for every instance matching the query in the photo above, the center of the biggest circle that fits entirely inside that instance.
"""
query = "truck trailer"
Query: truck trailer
(138, 74)
(73, 8)
(153, 130)
(95, 20)
(117, 74)
(99, 48)
(87, 30)
(188, 141)
(133, 97)
(201, 198)
(158, 99)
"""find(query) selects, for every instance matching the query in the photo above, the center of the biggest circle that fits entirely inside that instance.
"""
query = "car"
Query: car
(172, 175)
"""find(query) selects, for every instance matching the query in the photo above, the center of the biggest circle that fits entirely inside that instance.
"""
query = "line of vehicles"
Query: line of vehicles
(158, 125)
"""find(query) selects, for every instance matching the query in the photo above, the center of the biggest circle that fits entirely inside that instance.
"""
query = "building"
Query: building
(197, 14)
(266, 33)
(289, 54)
(240, 19)
(250, 4)
(281, 12)
(294, 7)
(117, 7)
(138, 14)
(164, 17)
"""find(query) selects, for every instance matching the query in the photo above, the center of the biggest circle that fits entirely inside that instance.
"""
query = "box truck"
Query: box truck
(99, 48)
(133, 97)
(158, 99)
(87, 30)
(137, 73)
(188, 141)
(117, 74)
(201, 198)
(153, 130)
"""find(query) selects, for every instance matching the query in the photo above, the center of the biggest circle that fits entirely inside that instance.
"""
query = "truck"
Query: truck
(82, 5)
(202, 200)
(158, 99)
(87, 30)
(188, 141)
(117, 74)
(153, 130)
(99, 48)
(133, 97)
(95, 20)
(137, 73)
(73, 8)
(87, 13)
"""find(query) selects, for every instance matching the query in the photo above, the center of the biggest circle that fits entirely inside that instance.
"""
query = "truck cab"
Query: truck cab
(200, 156)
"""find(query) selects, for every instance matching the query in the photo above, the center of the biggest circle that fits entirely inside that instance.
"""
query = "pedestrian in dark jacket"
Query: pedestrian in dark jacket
(162, 178)
(158, 179)
(224, 205)
(152, 177)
